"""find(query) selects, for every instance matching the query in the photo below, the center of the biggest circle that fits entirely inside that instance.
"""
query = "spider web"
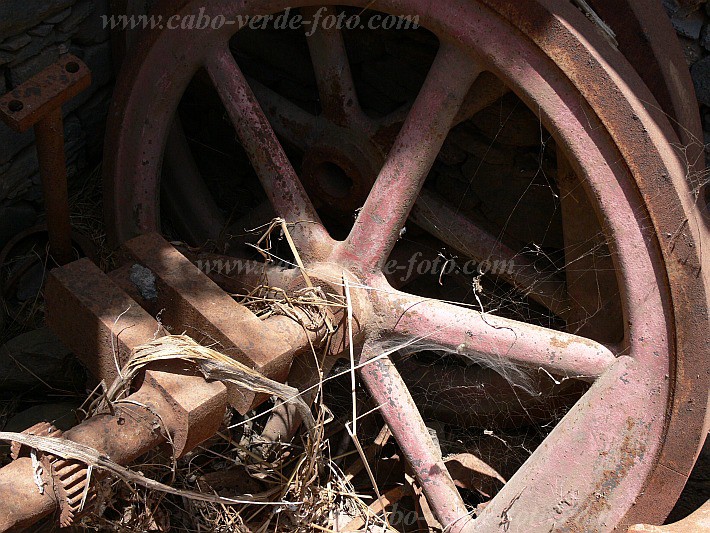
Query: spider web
(499, 169)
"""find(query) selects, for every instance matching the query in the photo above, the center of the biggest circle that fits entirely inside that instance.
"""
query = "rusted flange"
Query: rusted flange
(38, 102)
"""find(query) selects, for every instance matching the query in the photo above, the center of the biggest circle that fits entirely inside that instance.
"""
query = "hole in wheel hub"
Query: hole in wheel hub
(338, 178)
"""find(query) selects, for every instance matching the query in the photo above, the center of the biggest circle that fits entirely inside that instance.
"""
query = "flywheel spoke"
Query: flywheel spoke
(204, 222)
(275, 172)
(486, 90)
(492, 339)
(434, 215)
(332, 69)
(397, 407)
(410, 159)
(289, 121)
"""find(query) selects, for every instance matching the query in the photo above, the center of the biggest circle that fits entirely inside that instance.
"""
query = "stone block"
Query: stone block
(12, 142)
(25, 70)
(690, 25)
(16, 180)
(5, 58)
(692, 50)
(700, 73)
(92, 30)
(36, 46)
(41, 30)
(15, 43)
(17, 16)
(55, 19)
(79, 12)
(705, 37)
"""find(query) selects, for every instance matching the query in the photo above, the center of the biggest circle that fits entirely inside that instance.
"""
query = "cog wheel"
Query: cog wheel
(72, 487)
(41, 429)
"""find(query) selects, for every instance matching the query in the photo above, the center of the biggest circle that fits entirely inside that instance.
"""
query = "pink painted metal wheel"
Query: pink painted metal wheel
(623, 451)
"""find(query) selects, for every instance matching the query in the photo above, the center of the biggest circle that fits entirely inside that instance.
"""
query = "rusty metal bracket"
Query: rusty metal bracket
(38, 102)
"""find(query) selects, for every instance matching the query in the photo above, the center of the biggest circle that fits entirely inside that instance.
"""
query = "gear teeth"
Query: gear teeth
(70, 477)
(41, 429)
(70, 485)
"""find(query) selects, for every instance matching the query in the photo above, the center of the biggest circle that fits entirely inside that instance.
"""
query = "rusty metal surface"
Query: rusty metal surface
(22, 504)
(49, 133)
(197, 406)
(123, 436)
(648, 41)
(195, 304)
(72, 488)
(392, 196)
(93, 317)
(102, 324)
(642, 143)
(43, 429)
(590, 276)
(277, 176)
(696, 522)
(238, 276)
(171, 402)
(182, 406)
(27, 104)
(467, 331)
(332, 71)
(397, 407)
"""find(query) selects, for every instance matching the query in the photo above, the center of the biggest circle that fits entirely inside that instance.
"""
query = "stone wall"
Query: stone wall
(691, 20)
(33, 33)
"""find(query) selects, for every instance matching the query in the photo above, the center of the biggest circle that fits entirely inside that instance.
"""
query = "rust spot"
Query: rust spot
(632, 449)
(558, 342)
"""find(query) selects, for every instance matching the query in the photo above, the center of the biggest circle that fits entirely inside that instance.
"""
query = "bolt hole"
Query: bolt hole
(72, 67)
(333, 180)
(15, 106)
